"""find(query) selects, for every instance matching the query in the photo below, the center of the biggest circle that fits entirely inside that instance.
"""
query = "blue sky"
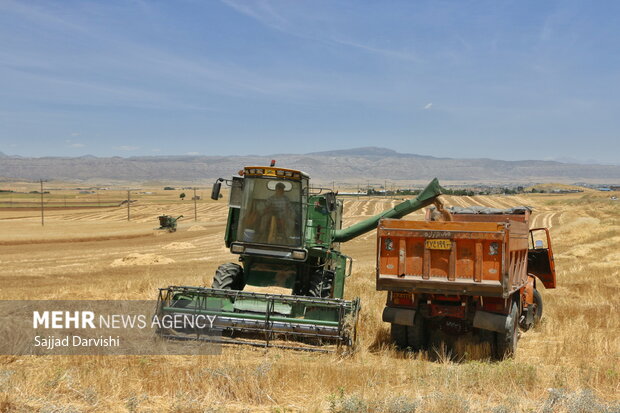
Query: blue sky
(498, 79)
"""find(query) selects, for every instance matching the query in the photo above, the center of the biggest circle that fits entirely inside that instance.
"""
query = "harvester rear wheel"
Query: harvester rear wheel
(506, 342)
(229, 276)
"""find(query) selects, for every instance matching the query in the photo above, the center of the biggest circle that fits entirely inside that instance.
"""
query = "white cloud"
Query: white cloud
(428, 106)
(127, 148)
(270, 17)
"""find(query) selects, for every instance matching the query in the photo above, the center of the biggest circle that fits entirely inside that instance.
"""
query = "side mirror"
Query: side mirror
(215, 192)
(330, 201)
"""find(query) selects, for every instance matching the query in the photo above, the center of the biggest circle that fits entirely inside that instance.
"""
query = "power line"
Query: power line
(42, 214)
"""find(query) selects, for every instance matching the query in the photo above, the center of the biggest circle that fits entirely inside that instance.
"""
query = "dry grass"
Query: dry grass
(568, 364)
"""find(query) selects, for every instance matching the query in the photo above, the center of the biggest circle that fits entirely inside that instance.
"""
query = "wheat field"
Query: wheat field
(569, 363)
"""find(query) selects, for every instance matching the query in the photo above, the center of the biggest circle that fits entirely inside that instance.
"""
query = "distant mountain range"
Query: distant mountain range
(350, 165)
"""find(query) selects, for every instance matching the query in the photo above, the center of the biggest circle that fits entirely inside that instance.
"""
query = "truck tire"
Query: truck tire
(410, 337)
(506, 342)
(229, 276)
(399, 336)
(416, 334)
(321, 283)
(531, 320)
(539, 307)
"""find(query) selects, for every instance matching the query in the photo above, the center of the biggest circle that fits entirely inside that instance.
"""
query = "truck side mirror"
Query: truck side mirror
(215, 191)
(330, 201)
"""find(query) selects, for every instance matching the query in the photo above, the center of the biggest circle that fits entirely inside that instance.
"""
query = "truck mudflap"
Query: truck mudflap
(492, 321)
(400, 316)
(262, 320)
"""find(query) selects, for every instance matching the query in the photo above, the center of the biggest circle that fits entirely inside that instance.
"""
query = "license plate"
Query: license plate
(401, 296)
(438, 244)
(402, 299)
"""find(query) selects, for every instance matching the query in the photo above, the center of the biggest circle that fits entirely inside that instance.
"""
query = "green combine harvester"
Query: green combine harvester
(287, 235)
(168, 222)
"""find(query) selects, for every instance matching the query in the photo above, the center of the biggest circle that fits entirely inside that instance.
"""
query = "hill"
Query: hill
(357, 164)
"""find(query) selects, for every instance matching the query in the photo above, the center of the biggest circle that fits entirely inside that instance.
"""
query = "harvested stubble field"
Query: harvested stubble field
(569, 363)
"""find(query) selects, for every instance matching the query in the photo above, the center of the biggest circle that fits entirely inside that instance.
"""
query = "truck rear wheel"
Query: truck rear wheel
(229, 276)
(506, 342)
(399, 336)
(412, 337)
(416, 334)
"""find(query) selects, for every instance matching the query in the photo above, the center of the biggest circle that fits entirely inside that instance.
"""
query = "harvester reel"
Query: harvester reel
(229, 276)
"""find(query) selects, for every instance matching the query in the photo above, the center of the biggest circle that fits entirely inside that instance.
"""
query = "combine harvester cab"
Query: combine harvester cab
(287, 235)
(476, 272)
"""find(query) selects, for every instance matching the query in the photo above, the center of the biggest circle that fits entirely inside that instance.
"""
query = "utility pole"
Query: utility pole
(128, 205)
(42, 218)
(195, 207)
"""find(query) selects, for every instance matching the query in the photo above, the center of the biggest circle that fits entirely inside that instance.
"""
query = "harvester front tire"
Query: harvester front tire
(229, 276)
(321, 284)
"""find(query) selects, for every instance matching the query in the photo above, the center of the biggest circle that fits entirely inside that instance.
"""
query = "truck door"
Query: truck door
(540, 257)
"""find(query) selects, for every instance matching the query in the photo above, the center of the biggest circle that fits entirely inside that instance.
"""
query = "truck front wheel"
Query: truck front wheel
(533, 313)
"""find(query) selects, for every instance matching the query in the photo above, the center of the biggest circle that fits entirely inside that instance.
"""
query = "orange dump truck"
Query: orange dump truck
(474, 272)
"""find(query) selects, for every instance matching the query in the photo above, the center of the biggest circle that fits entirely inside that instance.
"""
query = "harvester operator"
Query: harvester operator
(278, 219)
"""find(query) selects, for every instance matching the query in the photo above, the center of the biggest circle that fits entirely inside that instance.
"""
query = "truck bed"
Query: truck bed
(487, 257)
